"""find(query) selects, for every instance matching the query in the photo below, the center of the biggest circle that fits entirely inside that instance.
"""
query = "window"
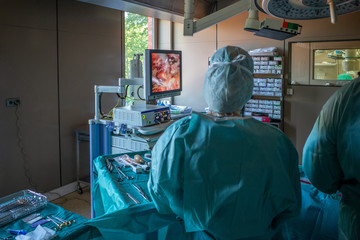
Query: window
(138, 37)
(330, 63)
(336, 64)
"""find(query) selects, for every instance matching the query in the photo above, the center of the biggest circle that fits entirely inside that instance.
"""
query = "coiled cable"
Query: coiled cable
(22, 149)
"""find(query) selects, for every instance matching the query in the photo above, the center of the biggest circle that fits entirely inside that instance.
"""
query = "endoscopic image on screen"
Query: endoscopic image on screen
(165, 72)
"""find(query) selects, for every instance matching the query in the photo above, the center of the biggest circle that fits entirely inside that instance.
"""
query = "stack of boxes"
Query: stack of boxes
(267, 65)
(270, 108)
(267, 86)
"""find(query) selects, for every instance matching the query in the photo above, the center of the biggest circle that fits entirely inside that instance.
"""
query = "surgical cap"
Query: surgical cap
(229, 80)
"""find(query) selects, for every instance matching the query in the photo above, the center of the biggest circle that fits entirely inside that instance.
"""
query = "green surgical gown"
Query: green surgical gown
(331, 158)
(233, 178)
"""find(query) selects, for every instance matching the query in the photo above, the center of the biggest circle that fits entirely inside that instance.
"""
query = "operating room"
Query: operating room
(60, 59)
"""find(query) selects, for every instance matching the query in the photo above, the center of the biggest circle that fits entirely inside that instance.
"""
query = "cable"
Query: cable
(22, 150)
(110, 114)
(61, 199)
(101, 113)
(126, 90)
(257, 5)
(58, 90)
(139, 94)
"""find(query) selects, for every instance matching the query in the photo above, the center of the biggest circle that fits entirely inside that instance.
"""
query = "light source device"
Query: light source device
(270, 28)
(277, 29)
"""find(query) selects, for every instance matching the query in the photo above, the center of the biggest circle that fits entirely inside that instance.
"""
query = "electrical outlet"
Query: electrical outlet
(289, 91)
(12, 102)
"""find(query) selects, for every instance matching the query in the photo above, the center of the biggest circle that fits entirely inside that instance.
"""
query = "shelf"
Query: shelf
(267, 97)
(267, 75)
(342, 58)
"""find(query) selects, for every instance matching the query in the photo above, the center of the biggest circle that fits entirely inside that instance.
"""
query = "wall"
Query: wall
(28, 70)
(164, 35)
(52, 54)
(89, 54)
(300, 109)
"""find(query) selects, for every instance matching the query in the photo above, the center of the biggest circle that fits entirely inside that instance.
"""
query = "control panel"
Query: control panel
(141, 115)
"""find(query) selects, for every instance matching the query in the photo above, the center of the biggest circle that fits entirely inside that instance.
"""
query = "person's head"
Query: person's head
(229, 80)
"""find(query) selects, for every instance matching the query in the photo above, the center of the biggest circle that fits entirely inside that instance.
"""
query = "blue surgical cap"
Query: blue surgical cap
(229, 80)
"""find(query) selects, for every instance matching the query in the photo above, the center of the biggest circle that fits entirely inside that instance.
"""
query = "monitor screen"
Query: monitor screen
(162, 73)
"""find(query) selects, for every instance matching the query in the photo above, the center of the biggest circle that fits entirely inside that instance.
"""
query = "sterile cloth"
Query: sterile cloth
(331, 157)
(236, 178)
(318, 218)
(40, 232)
(117, 217)
(77, 230)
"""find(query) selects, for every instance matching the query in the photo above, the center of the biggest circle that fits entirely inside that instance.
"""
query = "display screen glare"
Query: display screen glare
(166, 71)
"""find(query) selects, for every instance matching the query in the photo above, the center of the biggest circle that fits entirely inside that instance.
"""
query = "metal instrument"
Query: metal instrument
(123, 174)
(141, 192)
(66, 223)
(109, 165)
(58, 226)
(132, 198)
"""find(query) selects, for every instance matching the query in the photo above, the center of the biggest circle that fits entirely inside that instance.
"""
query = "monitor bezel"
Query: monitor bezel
(149, 94)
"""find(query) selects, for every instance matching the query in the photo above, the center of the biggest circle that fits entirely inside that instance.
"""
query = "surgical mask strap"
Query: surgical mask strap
(238, 58)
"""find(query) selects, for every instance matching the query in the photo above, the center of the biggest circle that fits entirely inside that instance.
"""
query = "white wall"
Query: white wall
(195, 53)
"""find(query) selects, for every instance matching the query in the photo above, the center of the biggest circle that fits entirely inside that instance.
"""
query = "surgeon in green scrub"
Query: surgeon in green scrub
(228, 176)
(331, 155)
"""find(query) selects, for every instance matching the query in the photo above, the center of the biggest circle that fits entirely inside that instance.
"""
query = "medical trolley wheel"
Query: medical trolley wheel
(79, 189)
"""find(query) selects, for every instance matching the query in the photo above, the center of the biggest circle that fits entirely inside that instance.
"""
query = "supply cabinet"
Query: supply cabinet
(266, 103)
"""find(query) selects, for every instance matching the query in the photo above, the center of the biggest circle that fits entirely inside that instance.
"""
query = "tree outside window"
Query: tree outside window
(138, 37)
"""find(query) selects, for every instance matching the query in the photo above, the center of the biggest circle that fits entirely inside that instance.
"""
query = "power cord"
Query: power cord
(109, 116)
(60, 200)
(139, 94)
(22, 149)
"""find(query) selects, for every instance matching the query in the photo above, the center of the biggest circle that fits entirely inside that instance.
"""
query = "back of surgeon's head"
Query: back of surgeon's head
(229, 80)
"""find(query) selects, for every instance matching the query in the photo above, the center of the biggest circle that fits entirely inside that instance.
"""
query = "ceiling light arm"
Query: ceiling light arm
(252, 22)
(333, 14)
(191, 26)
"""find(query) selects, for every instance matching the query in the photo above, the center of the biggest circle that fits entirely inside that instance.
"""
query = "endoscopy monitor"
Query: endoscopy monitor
(163, 77)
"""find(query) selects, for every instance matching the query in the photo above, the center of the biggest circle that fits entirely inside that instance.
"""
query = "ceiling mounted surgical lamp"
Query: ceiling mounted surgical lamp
(270, 28)
(309, 9)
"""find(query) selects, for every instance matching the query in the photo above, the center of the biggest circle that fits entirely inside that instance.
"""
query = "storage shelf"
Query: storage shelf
(267, 75)
(261, 107)
(342, 58)
(266, 97)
